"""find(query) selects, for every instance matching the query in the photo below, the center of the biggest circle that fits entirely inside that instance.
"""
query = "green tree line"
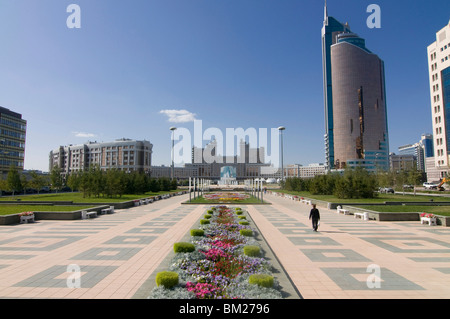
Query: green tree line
(91, 182)
(353, 183)
(115, 182)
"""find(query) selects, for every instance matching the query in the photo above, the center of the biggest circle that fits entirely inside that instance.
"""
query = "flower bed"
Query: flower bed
(226, 196)
(426, 215)
(218, 268)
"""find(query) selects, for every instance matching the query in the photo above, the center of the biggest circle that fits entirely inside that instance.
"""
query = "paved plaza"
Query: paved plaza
(117, 254)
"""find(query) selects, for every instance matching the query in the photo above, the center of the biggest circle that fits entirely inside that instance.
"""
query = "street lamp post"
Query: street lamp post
(173, 141)
(281, 129)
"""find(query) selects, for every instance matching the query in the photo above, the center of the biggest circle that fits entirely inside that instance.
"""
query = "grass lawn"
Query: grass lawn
(16, 209)
(438, 210)
(381, 198)
(78, 197)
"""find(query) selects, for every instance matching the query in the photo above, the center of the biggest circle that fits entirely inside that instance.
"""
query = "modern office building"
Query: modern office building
(124, 154)
(331, 28)
(12, 140)
(421, 150)
(355, 101)
(402, 162)
(439, 78)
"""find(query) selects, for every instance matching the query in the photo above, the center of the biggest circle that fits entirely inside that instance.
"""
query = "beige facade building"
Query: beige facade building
(439, 79)
(123, 154)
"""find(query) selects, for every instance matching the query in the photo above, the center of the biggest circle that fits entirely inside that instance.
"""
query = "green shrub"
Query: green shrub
(207, 216)
(210, 211)
(197, 232)
(183, 247)
(168, 279)
(262, 280)
(238, 208)
(242, 217)
(244, 223)
(204, 221)
(239, 212)
(246, 232)
(252, 251)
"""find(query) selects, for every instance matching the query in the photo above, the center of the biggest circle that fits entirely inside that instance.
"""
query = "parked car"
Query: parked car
(429, 185)
(386, 190)
(407, 186)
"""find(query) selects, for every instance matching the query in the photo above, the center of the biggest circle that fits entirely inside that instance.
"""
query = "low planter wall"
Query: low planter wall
(397, 216)
(15, 218)
(66, 215)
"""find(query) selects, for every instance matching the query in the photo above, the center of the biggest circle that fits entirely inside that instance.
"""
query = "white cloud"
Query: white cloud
(179, 116)
(84, 135)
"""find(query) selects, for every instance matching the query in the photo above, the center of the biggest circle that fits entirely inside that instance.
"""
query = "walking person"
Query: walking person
(314, 215)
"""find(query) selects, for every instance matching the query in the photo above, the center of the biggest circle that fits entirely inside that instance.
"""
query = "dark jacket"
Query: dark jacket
(314, 214)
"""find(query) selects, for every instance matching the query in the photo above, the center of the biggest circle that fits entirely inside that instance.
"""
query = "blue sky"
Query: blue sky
(234, 63)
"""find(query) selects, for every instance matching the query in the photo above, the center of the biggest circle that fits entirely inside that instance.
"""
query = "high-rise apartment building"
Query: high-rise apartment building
(12, 140)
(439, 77)
(123, 154)
(355, 100)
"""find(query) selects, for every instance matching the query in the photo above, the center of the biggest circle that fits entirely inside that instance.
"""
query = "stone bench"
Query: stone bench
(109, 210)
(343, 211)
(364, 216)
(86, 215)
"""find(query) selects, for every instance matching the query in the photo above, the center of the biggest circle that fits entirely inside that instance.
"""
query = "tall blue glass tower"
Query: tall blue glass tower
(331, 28)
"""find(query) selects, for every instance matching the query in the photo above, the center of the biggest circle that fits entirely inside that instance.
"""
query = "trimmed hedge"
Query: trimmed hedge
(183, 247)
(242, 217)
(244, 223)
(252, 251)
(168, 279)
(239, 212)
(204, 221)
(262, 280)
(197, 232)
(207, 216)
(246, 232)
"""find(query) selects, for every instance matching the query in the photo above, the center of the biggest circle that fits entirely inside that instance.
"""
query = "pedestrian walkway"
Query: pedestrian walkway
(117, 254)
(353, 258)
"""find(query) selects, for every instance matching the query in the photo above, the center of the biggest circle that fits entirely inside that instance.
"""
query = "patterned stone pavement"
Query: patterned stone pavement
(115, 254)
(352, 258)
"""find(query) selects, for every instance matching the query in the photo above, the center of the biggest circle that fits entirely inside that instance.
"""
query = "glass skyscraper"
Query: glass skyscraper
(355, 100)
(331, 28)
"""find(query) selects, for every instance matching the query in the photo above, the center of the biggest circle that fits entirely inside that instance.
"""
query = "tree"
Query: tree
(154, 185)
(356, 183)
(174, 185)
(114, 183)
(96, 180)
(415, 177)
(56, 178)
(37, 181)
(73, 181)
(84, 183)
(13, 181)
